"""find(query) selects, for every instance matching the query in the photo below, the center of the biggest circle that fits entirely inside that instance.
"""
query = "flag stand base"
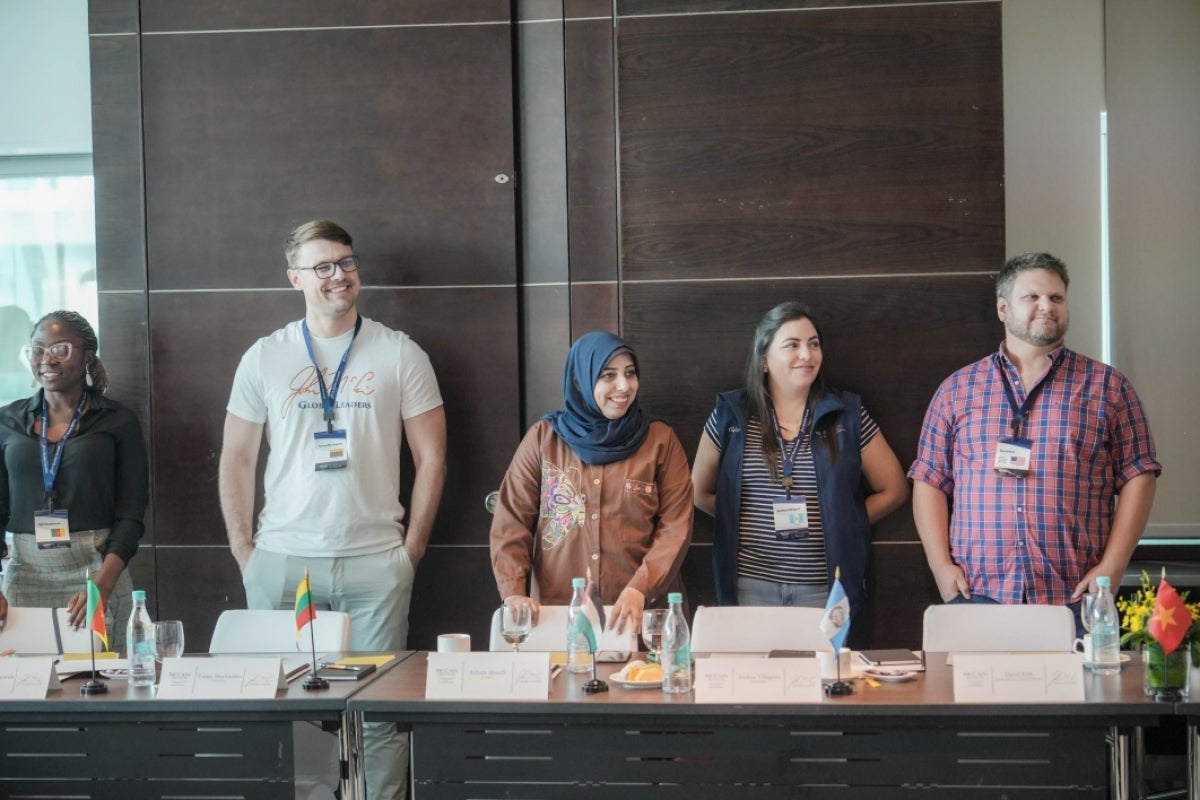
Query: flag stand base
(313, 683)
(595, 687)
(93, 687)
(838, 689)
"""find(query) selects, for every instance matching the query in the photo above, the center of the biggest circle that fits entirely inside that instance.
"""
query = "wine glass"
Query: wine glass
(168, 639)
(652, 629)
(516, 622)
(1085, 612)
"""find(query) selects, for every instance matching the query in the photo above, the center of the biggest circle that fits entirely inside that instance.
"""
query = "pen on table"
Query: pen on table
(554, 672)
(348, 667)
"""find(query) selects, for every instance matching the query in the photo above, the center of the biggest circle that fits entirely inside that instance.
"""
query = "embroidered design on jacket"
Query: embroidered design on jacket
(563, 505)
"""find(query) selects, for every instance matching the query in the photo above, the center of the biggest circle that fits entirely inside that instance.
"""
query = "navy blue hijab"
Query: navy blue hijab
(595, 438)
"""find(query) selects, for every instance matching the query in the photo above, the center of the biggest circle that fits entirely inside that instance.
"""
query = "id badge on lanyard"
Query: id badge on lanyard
(791, 518)
(50, 529)
(330, 450)
(1013, 456)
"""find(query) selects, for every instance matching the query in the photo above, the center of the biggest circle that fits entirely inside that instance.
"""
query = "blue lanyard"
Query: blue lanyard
(329, 397)
(1021, 411)
(789, 459)
(49, 466)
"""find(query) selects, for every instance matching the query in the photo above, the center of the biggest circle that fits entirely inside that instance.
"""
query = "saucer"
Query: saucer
(890, 675)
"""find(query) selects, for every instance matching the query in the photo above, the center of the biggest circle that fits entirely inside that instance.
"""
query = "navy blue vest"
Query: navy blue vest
(839, 492)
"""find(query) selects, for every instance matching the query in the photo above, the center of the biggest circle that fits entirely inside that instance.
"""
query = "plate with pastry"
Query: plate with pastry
(638, 675)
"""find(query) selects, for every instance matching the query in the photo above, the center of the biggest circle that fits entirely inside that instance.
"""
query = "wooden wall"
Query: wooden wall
(679, 171)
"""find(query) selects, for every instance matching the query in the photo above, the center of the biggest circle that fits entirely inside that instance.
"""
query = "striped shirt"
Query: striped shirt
(761, 554)
(1030, 540)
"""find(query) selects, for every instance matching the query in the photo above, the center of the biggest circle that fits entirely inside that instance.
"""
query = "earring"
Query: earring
(87, 378)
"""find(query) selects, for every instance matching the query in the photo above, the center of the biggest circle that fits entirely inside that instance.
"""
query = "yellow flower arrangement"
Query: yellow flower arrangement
(1136, 611)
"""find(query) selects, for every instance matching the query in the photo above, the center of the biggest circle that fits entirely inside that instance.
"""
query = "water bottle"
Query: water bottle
(139, 643)
(579, 657)
(675, 657)
(1105, 625)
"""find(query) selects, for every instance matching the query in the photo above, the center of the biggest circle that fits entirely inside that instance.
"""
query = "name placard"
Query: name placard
(220, 678)
(1018, 678)
(27, 678)
(757, 680)
(488, 676)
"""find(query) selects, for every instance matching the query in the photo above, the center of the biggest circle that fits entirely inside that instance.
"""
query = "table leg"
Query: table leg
(354, 779)
(1193, 761)
(1120, 751)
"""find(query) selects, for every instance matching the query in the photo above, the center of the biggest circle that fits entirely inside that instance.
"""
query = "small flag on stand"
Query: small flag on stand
(836, 622)
(95, 612)
(591, 622)
(306, 612)
(1171, 619)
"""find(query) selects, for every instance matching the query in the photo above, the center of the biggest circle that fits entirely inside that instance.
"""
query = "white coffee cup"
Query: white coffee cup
(1084, 645)
(830, 668)
(454, 642)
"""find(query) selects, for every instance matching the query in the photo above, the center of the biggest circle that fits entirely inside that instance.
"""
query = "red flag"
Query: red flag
(1171, 619)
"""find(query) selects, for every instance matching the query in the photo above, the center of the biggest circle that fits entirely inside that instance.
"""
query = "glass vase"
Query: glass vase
(1164, 673)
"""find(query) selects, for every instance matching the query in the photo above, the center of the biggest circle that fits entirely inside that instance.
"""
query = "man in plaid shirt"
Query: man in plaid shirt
(1034, 443)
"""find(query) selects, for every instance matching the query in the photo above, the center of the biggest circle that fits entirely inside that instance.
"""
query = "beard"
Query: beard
(1048, 333)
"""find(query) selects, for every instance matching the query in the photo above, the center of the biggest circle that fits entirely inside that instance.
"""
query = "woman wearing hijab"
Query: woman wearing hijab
(73, 479)
(595, 486)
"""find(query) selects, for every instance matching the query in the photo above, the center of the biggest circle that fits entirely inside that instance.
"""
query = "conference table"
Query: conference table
(900, 740)
(129, 744)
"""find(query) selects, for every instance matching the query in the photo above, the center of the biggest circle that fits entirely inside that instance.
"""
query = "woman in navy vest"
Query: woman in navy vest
(794, 473)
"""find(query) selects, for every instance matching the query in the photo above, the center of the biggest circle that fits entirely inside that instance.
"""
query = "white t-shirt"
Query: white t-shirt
(337, 512)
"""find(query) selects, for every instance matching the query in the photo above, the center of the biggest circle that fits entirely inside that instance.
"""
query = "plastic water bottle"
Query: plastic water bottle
(1106, 645)
(579, 657)
(676, 654)
(139, 643)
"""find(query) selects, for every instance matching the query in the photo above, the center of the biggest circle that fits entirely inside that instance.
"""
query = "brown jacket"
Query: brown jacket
(629, 521)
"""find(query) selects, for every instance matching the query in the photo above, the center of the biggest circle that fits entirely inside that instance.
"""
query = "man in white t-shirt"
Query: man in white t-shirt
(335, 393)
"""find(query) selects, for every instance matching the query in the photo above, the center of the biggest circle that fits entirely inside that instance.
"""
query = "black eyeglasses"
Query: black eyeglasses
(325, 269)
(35, 353)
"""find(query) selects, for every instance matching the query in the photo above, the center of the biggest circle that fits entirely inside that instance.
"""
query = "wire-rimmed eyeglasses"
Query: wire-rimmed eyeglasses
(325, 268)
(35, 353)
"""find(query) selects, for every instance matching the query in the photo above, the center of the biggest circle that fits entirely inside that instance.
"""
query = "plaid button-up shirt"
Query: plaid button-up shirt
(1030, 540)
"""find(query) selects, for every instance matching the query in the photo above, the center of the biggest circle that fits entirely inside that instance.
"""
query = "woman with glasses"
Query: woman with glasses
(73, 479)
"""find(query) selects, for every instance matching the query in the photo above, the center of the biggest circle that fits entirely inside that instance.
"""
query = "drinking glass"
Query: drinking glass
(1085, 611)
(652, 628)
(168, 639)
(516, 623)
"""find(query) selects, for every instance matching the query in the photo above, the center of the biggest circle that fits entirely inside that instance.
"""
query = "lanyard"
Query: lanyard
(1021, 411)
(50, 467)
(328, 397)
(789, 459)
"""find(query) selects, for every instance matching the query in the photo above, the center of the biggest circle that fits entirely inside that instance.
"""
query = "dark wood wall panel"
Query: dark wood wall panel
(840, 141)
(117, 158)
(591, 148)
(112, 16)
(249, 134)
(188, 15)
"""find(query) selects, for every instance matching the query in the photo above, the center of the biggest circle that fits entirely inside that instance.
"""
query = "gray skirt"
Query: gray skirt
(36, 578)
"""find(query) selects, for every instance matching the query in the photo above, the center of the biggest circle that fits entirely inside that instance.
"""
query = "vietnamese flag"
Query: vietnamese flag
(1171, 619)
(95, 612)
(306, 612)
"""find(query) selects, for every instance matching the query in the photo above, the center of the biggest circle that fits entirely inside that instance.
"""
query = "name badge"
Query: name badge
(51, 530)
(791, 518)
(1013, 457)
(330, 450)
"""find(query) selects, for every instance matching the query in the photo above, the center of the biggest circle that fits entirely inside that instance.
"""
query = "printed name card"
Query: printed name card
(220, 678)
(1018, 678)
(27, 678)
(488, 676)
(757, 680)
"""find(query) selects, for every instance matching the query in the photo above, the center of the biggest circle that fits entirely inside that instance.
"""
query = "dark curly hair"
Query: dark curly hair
(91, 345)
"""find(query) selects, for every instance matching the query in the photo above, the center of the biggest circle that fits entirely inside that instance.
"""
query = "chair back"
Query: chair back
(987, 628)
(550, 634)
(243, 630)
(30, 631)
(757, 629)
